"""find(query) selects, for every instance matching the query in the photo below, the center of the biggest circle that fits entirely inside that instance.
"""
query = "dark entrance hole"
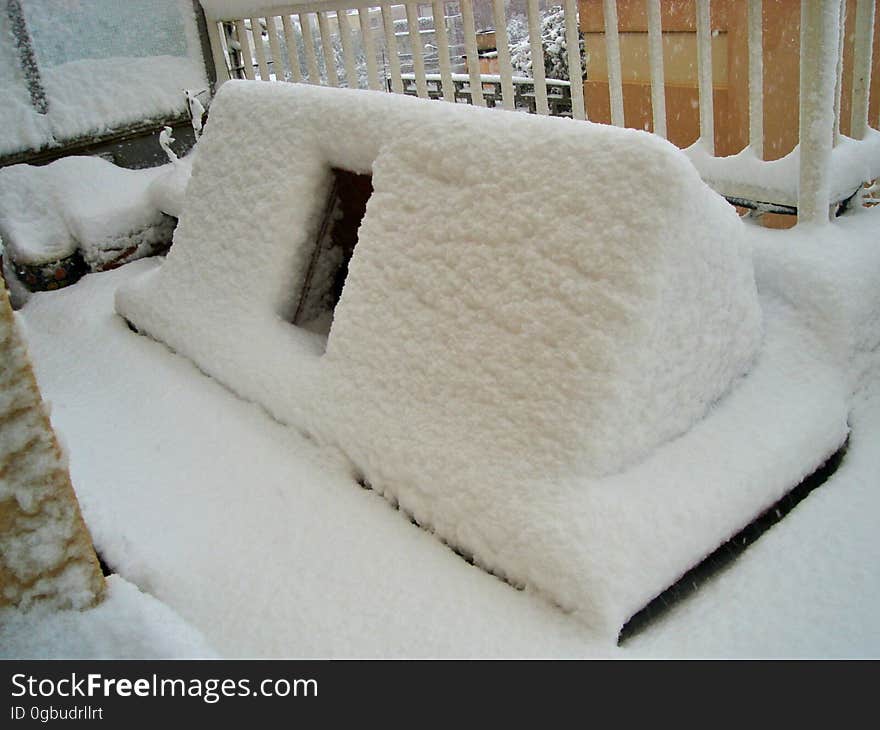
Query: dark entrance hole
(337, 237)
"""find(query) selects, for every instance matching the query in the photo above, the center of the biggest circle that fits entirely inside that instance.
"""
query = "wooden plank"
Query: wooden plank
(222, 64)
(369, 44)
(658, 79)
(756, 77)
(292, 50)
(505, 69)
(247, 57)
(704, 76)
(391, 49)
(415, 41)
(612, 52)
(305, 24)
(257, 35)
(864, 41)
(327, 50)
(438, 10)
(820, 35)
(348, 58)
(470, 48)
(537, 52)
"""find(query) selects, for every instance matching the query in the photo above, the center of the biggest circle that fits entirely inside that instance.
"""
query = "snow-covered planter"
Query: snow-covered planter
(516, 329)
(77, 214)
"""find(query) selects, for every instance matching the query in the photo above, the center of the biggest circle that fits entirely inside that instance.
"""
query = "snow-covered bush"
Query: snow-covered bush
(553, 39)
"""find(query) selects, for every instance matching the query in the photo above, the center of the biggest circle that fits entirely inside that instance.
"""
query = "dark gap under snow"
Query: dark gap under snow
(727, 553)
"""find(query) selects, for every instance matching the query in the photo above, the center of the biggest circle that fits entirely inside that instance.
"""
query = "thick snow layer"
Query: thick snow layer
(776, 181)
(476, 373)
(809, 586)
(126, 624)
(86, 203)
(95, 96)
(168, 190)
(97, 77)
(262, 540)
(248, 530)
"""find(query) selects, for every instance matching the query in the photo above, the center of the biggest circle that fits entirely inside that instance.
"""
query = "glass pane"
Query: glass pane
(71, 30)
(106, 65)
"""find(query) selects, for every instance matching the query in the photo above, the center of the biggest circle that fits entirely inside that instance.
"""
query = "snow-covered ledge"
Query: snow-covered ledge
(744, 175)
(550, 387)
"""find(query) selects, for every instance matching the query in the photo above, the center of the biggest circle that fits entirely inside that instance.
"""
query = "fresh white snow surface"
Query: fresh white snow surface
(476, 373)
(746, 176)
(86, 203)
(247, 529)
(167, 191)
(126, 624)
(94, 96)
(263, 541)
(143, 79)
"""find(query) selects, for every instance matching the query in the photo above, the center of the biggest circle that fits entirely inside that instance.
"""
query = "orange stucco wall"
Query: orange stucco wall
(729, 21)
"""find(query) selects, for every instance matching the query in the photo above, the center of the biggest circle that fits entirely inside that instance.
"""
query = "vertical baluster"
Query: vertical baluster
(658, 78)
(470, 48)
(415, 41)
(438, 11)
(391, 49)
(537, 53)
(247, 58)
(347, 48)
(612, 53)
(756, 78)
(838, 88)
(704, 73)
(308, 36)
(575, 70)
(327, 49)
(292, 50)
(369, 44)
(505, 69)
(820, 34)
(864, 42)
(257, 34)
(222, 62)
(275, 48)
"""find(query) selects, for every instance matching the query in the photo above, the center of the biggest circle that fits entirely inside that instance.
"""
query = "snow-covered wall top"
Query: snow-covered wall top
(531, 299)
(102, 65)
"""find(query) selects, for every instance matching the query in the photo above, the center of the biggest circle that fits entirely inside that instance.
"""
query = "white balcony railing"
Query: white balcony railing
(423, 48)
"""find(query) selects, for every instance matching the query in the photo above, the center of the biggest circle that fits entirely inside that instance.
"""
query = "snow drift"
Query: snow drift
(533, 304)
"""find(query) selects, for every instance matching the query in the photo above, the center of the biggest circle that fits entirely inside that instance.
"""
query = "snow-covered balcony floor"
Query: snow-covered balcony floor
(263, 543)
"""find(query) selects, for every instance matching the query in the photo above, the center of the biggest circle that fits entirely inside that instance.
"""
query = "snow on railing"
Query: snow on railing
(424, 48)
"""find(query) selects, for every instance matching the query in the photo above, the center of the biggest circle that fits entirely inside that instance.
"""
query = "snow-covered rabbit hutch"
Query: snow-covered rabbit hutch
(539, 336)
